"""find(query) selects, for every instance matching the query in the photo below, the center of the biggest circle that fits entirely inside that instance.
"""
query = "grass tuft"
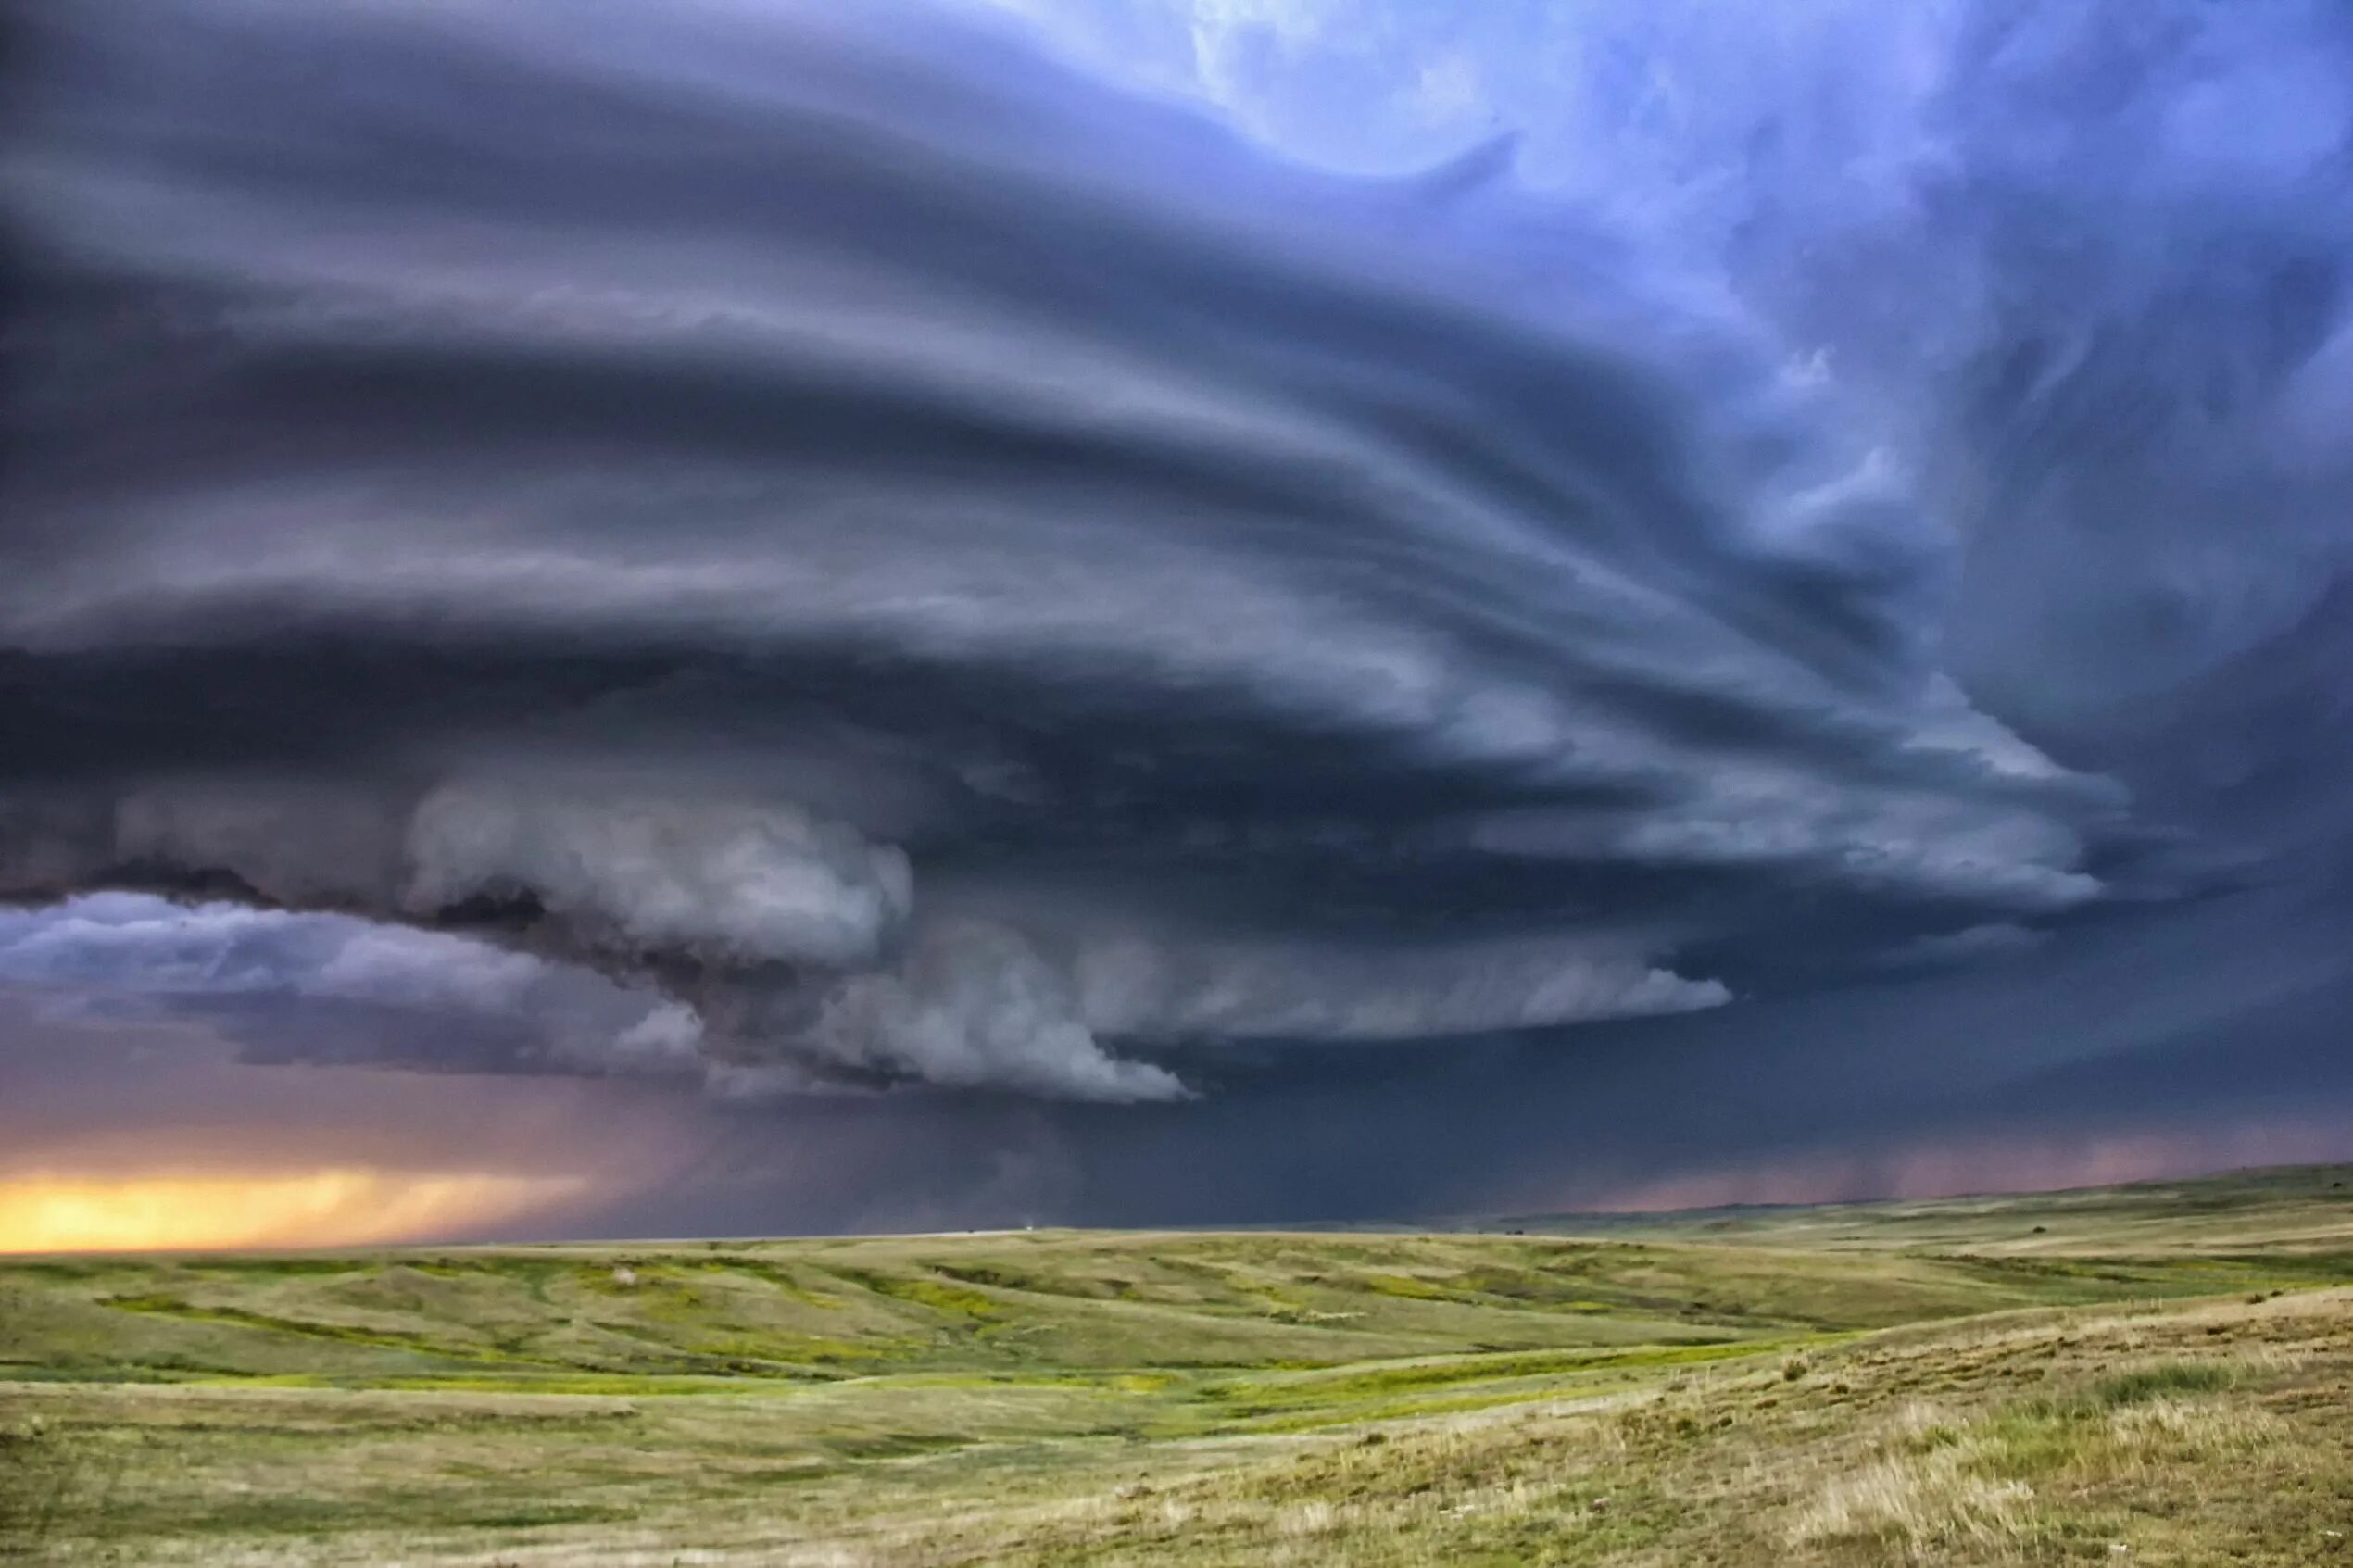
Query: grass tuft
(2140, 1384)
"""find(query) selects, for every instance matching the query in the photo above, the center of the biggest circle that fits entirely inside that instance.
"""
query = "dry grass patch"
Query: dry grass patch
(1922, 1502)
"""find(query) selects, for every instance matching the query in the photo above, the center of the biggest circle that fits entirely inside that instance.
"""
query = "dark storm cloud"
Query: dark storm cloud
(2077, 267)
(952, 573)
(2089, 260)
(330, 988)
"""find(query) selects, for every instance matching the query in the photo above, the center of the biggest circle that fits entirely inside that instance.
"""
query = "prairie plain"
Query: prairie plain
(2156, 1375)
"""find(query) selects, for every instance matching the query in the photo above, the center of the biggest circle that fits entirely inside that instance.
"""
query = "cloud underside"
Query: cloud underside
(910, 566)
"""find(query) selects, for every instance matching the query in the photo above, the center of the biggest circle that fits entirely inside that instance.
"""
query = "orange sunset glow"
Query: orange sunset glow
(333, 1207)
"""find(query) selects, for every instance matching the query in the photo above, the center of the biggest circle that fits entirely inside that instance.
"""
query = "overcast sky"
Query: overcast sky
(801, 616)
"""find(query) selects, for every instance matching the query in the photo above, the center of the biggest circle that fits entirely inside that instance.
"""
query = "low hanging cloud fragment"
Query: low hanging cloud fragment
(921, 569)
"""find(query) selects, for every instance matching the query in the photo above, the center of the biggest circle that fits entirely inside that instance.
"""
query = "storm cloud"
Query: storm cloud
(935, 563)
(818, 549)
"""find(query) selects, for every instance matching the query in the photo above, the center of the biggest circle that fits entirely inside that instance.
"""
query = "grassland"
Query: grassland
(2156, 1375)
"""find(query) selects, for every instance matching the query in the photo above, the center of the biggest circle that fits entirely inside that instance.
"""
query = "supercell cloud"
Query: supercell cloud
(812, 547)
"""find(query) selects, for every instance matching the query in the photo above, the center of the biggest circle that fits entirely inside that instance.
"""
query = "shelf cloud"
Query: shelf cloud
(935, 564)
(814, 550)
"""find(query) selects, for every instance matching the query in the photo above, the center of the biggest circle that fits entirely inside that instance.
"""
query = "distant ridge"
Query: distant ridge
(2328, 1188)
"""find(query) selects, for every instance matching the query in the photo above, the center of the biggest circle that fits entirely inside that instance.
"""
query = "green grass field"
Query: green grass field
(2151, 1374)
